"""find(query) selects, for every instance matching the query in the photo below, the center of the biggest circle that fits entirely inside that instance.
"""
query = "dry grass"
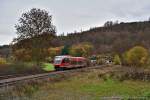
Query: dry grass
(85, 85)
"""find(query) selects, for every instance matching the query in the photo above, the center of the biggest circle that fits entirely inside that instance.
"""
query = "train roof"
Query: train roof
(78, 57)
(63, 56)
(68, 56)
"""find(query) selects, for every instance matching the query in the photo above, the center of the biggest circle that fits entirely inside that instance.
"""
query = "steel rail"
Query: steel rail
(12, 81)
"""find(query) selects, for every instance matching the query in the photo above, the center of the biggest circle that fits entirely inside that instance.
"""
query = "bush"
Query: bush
(20, 68)
(52, 52)
(2, 61)
(137, 56)
(83, 49)
(22, 55)
(49, 59)
(117, 60)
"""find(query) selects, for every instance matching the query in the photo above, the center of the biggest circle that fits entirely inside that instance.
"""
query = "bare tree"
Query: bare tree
(33, 25)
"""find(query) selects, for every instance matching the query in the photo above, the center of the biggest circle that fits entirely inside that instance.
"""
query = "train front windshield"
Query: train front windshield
(57, 60)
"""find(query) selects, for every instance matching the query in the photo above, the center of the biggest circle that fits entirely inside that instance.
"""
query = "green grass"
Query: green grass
(100, 88)
(48, 67)
(90, 87)
(114, 88)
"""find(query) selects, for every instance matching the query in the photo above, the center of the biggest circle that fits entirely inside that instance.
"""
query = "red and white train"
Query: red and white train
(66, 62)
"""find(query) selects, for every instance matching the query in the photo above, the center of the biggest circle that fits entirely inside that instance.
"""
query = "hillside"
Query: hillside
(115, 38)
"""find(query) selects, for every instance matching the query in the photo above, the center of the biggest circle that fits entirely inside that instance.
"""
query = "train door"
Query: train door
(66, 62)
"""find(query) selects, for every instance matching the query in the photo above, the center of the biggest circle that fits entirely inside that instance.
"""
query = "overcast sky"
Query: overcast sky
(71, 15)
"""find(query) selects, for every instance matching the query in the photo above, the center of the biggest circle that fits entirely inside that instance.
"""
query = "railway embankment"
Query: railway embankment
(90, 84)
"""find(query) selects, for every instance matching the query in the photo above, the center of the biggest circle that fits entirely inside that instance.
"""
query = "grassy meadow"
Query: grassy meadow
(86, 85)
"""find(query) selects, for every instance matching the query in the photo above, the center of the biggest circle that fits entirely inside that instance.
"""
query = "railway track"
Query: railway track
(12, 81)
(12, 76)
(7, 76)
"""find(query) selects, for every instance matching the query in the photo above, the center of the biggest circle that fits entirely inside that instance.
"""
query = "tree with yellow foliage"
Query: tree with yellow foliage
(117, 60)
(137, 56)
(83, 49)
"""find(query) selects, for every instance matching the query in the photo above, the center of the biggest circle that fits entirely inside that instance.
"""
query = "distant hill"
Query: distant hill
(112, 38)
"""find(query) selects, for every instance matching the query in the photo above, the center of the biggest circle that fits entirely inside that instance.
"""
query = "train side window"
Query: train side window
(66, 60)
(72, 62)
(75, 62)
(79, 62)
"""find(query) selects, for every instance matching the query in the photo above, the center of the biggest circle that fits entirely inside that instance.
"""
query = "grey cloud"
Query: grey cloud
(70, 15)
